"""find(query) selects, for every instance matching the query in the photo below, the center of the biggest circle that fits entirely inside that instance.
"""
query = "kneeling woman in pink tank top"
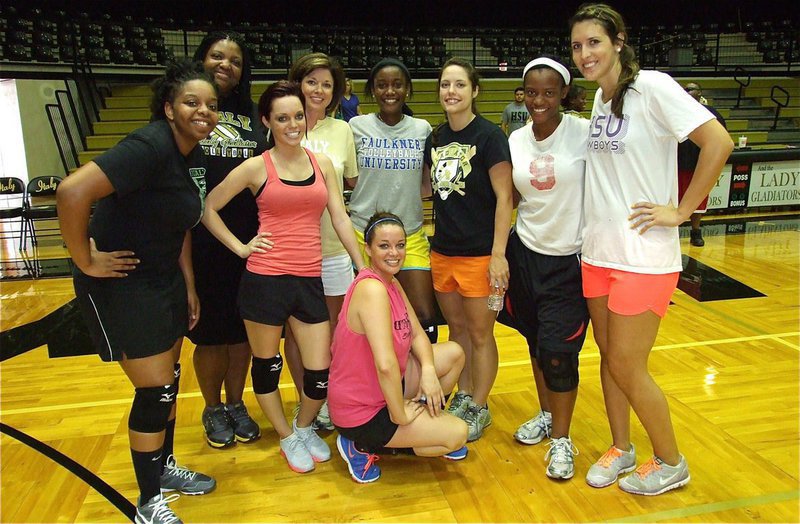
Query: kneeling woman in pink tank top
(282, 282)
(387, 383)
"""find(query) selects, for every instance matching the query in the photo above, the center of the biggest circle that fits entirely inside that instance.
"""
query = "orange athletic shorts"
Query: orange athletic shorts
(629, 293)
(467, 275)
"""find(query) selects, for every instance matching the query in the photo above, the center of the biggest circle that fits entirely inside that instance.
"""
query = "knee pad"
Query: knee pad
(315, 383)
(560, 370)
(151, 407)
(266, 372)
(431, 329)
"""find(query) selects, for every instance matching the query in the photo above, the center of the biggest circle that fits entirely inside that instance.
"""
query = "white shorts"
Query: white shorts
(337, 274)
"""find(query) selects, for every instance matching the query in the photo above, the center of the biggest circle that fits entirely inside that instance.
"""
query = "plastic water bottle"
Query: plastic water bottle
(495, 301)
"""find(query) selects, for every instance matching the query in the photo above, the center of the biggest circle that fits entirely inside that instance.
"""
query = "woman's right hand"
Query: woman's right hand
(259, 244)
(109, 264)
(413, 409)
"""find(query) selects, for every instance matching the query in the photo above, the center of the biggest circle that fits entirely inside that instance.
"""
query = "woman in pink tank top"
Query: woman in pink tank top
(282, 282)
(387, 383)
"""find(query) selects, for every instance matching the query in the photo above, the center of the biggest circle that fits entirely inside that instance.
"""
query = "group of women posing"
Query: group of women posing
(597, 219)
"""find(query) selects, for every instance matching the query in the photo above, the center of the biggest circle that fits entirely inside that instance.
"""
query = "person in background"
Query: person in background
(390, 148)
(387, 383)
(545, 297)
(133, 273)
(323, 82)
(575, 102)
(282, 283)
(222, 353)
(688, 154)
(631, 255)
(470, 168)
(349, 105)
(514, 114)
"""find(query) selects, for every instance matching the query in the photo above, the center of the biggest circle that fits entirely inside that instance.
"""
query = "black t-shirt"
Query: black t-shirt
(239, 135)
(688, 152)
(158, 196)
(463, 199)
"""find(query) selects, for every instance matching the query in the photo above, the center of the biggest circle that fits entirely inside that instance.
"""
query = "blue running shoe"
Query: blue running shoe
(361, 465)
(459, 454)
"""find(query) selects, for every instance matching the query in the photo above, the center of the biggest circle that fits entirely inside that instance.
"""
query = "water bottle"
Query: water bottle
(495, 301)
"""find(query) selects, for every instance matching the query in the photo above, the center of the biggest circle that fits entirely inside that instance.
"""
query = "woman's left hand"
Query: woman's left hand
(194, 309)
(498, 271)
(431, 390)
(646, 215)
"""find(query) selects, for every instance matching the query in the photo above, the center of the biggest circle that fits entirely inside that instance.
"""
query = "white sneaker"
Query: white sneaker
(536, 429)
(610, 466)
(654, 477)
(296, 454)
(561, 453)
(317, 447)
(157, 511)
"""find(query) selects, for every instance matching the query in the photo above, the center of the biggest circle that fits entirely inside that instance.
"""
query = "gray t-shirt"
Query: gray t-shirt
(515, 115)
(390, 160)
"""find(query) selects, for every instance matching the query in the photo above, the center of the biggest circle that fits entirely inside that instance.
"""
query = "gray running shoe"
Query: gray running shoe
(157, 511)
(319, 450)
(323, 420)
(219, 433)
(610, 466)
(296, 454)
(459, 404)
(561, 453)
(478, 419)
(244, 427)
(177, 478)
(536, 429)
(654, 477)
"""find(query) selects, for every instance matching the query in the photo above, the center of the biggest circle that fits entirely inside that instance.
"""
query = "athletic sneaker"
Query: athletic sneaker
(654, 477)
(561, 453)
(296, 454)
(361, 464)
(696, 238)
(536, 429)
(323, 420)
(317, 447)
(459, 454)
(610, 466)
(157, 511)
(219, 432)
(459, 404)
(478, 419)
(188, 482)
(244, 427)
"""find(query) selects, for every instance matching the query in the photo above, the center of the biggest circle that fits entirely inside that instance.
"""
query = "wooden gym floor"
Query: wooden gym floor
(729, 368)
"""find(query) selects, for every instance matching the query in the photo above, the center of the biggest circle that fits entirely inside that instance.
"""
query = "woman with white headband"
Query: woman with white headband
(545, 296)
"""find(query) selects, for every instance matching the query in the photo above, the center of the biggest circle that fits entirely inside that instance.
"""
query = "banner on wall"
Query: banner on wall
(718, 198)
(774, 183)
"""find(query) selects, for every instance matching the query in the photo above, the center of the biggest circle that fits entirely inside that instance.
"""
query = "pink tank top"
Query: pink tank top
(354, 393)
(292, 214)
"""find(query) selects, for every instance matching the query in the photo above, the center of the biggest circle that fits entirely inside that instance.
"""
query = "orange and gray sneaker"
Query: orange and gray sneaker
(610, 466)
(655, 476)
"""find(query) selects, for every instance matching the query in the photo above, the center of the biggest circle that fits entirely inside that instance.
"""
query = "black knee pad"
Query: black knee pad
(177, 372)
(315, 383)
(431, 329)
(151, 407)
(560, 370)
(266, 373)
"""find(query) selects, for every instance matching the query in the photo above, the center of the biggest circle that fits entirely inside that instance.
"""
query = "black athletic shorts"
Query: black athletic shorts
(217, 273)
(272, 299)
(136, 318)
(545, 299)
(373, 434)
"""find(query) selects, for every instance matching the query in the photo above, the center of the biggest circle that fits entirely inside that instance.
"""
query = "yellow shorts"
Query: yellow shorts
(418, 250)
(467, 275)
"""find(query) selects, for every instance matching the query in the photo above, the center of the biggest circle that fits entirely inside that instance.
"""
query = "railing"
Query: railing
(64, 122)
(742, 84)
(778, 103)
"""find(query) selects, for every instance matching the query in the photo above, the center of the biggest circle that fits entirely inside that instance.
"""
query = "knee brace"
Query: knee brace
(151, 407)
(560, 370)
(266, 372)
(431, 329)
(315, 383)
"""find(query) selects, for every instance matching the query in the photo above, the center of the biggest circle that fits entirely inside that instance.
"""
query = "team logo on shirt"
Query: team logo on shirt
(607, 133)
(226, 141)
(450, 168)
(403, 326)
(543, 173)
(198, 175)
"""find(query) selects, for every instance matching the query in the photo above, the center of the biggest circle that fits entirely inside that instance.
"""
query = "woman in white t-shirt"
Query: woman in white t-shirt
(545, 298)
(631, 252)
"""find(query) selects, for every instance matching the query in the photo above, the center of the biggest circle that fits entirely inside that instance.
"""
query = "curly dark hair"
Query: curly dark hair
(167, 87)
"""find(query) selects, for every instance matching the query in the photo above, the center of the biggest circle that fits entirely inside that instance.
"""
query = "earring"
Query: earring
(619, 49)
(269, 133)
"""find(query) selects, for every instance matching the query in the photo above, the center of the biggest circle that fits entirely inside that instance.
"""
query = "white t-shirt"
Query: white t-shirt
(635, 160)
(549, 176)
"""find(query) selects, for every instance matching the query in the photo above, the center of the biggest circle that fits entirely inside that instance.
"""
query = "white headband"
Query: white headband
(549, 62)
